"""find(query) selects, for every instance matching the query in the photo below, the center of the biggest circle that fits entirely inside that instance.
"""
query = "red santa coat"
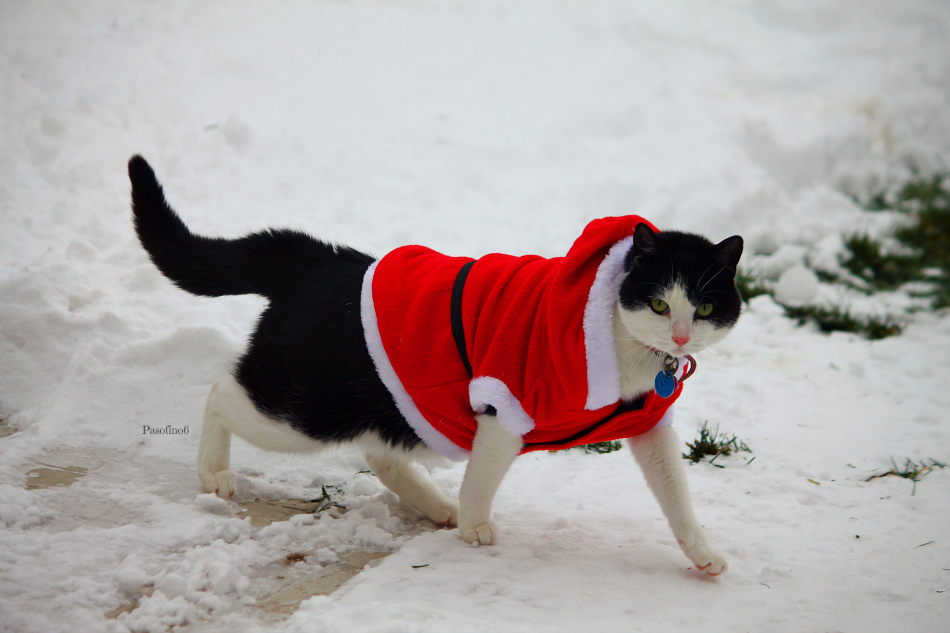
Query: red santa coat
(538, 334)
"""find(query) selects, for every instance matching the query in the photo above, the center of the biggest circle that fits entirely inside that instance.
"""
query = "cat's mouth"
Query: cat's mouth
(677, 352)
(680, 351)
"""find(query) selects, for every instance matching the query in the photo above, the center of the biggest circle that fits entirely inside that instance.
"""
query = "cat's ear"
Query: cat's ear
(644, 241)
(729, 251)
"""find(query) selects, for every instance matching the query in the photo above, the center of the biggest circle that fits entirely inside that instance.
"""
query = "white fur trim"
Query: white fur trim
(404, 402)
(667, 419)
(486, 391)
(603, 373)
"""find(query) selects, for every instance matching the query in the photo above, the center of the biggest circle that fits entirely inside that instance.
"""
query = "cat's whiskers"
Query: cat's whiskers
(710, 279)
(700, 280)
(642, 351)
(644, 355)
(644, 358)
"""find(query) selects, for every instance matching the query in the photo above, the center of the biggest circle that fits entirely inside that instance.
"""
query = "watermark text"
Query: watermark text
(167, 430)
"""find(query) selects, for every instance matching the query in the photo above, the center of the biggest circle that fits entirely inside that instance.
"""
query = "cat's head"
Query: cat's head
(679, 295)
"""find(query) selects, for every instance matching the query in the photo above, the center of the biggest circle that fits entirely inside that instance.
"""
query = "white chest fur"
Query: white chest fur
(638, 364)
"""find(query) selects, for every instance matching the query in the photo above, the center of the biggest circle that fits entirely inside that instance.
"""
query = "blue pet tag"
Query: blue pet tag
(665, 384)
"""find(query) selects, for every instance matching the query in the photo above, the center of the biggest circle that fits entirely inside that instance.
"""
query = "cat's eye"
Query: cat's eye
(704, 310)
(659, 306)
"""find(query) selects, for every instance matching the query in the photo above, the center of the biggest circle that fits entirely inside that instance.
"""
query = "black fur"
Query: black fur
(706, 270)
(307, 361)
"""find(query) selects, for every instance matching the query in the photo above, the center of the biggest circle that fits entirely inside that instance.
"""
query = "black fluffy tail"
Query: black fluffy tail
(261, 263)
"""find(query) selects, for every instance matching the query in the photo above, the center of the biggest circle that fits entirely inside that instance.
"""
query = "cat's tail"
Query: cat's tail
(261, 263)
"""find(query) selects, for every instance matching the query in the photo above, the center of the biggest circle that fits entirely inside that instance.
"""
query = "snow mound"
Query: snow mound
(20, 508)
(797, 286)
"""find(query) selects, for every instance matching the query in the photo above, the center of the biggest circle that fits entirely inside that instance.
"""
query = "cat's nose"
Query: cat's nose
(681, 340)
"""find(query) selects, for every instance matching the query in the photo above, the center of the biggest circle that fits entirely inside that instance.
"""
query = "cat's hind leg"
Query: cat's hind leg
(214, 447)
(398, 473)
(658, 453)
(230, 410)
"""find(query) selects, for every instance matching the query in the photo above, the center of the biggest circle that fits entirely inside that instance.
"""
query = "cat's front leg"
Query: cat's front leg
(493, 451)
(658, 453)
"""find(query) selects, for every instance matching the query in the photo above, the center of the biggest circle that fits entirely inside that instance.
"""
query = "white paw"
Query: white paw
(223, 483)
(445, 513)
(703, 556)
(484, 534)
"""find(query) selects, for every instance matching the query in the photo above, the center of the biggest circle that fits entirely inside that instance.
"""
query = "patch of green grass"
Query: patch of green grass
(884, 271)
(837, 320)
(922, 255)
(713, 444)
(750, 287)
(878, 202)
(601, 448)
(928, 203)
(911, 470)
(917, 193)
(924, 193)
(942, 294)
(926, 236)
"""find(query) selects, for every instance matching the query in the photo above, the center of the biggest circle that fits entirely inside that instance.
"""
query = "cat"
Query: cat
(346, 342)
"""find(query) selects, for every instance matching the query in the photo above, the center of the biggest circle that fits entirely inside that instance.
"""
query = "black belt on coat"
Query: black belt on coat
(458, 329)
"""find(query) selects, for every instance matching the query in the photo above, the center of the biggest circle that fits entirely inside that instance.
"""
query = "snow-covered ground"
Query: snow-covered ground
(471, 127)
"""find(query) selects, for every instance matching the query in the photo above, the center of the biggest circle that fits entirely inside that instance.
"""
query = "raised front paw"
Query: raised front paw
(223, 483)
(484, 534)
(703, 556)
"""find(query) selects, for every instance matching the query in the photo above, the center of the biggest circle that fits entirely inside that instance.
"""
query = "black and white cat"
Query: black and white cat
(308, 380)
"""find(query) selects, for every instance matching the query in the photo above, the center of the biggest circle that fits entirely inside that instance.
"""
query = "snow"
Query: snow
(797, 286)
(470, 127)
